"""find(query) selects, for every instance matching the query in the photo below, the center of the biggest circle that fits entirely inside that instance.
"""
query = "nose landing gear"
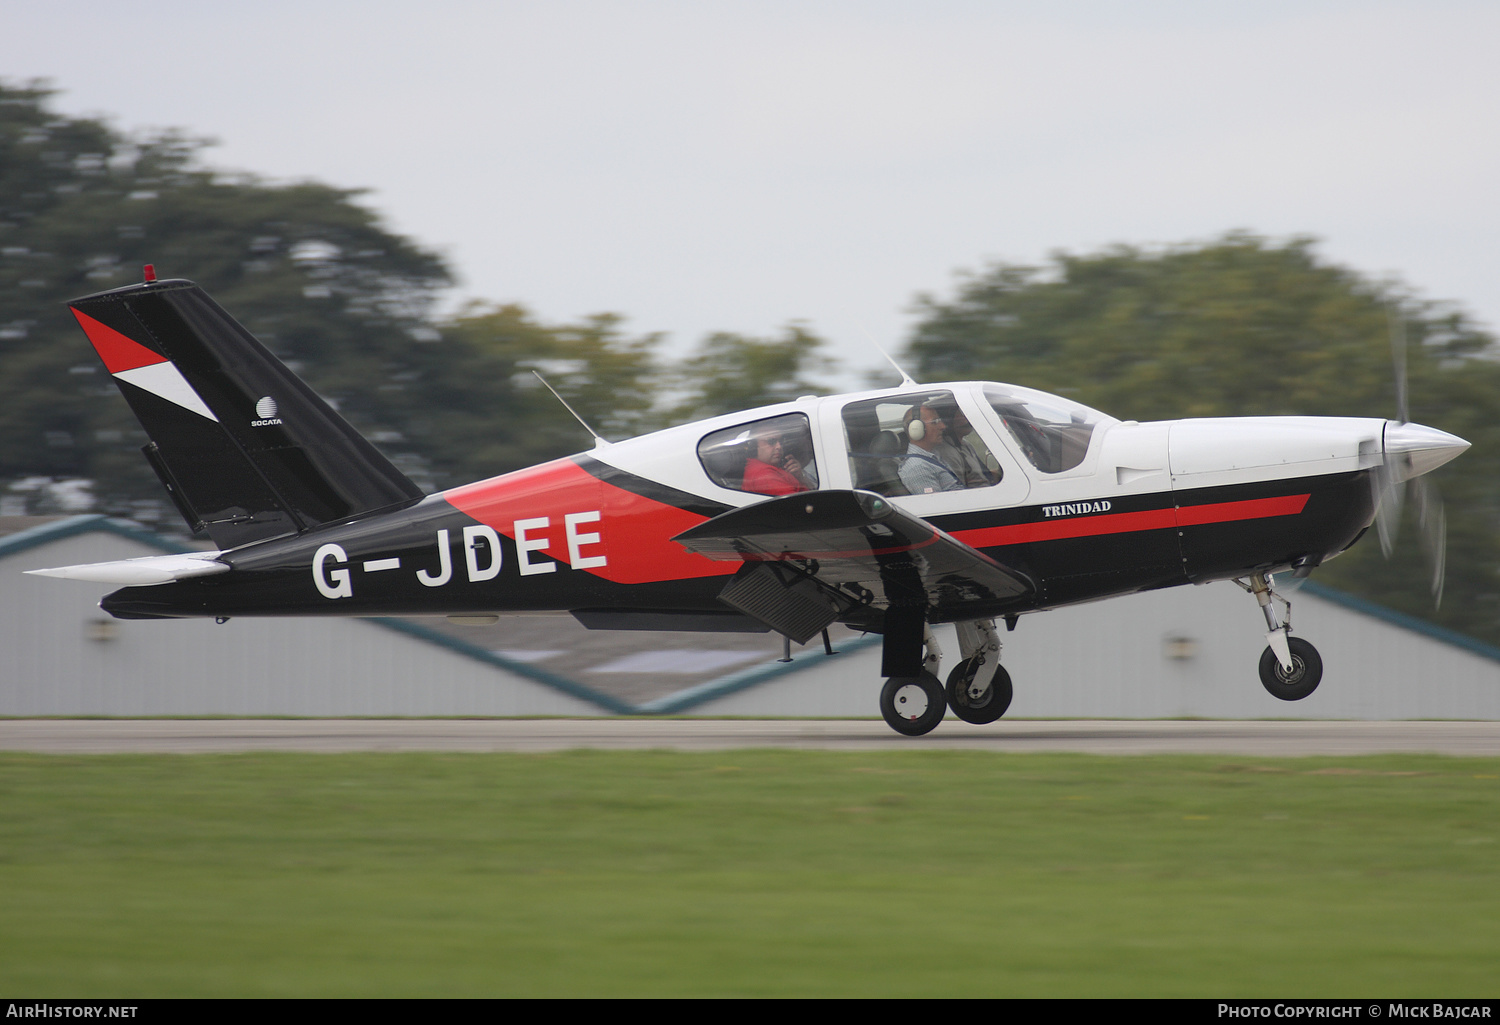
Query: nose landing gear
(1290, 668)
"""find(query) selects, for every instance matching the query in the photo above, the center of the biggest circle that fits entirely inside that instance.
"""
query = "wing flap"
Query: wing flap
(847, 541)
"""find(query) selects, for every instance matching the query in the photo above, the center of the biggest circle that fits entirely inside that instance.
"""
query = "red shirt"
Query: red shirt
(764, 479)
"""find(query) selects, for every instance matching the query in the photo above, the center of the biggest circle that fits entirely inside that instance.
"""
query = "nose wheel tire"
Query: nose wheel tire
(913, 705)
(1307, 671)
(988, 708)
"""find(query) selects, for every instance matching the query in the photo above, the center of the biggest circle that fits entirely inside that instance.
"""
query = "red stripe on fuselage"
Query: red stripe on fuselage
(1124, 523)
(1250, 509)
(635, 533)
(118, 352)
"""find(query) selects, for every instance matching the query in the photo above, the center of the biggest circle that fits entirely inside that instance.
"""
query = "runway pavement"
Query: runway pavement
(192, 736)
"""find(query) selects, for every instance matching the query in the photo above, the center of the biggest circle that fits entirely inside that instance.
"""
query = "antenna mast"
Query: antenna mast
(598, 438)
(906, 381)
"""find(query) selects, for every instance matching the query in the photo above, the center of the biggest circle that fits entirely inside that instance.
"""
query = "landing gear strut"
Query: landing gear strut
(979, 689)
(1290, 668)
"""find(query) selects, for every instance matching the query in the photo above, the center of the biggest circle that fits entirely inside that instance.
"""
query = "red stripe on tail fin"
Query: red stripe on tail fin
(117, 351)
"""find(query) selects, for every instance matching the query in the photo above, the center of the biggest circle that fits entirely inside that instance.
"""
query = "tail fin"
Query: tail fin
(246, 450)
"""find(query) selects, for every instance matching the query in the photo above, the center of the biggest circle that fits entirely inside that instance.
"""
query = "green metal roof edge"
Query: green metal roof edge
(474, 651)
(43, 533)
(744, 679)
(73, 526)
(1401, 619)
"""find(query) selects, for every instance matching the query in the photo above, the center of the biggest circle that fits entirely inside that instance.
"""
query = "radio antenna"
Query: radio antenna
(906, 381)
(598, 438)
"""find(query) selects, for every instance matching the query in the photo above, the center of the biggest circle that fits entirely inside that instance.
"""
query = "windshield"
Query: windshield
(1053, 432)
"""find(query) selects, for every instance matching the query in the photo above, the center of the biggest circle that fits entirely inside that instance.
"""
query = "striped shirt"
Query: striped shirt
(925, 475)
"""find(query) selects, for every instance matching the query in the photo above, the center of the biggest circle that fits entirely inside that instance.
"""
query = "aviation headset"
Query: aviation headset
(916, 427)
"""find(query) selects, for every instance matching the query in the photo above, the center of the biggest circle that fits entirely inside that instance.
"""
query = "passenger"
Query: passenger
(921, 471)
(959, 455)
(770, 471)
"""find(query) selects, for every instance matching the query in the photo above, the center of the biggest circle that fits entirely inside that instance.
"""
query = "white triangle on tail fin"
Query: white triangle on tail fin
(166, 381)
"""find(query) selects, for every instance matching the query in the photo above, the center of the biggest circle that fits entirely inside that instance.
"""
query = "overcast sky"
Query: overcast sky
(737, 165)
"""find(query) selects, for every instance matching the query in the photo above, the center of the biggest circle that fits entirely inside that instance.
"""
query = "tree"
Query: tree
(497, 411)
(303, 266)
(345, 303)
(729, 372)
(486, 413)
(1243, 326)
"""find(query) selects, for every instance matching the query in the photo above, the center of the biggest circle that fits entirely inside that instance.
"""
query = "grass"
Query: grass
(750, 873)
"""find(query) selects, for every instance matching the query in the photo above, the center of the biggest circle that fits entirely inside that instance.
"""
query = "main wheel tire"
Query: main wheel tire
(913, 705)
(990, 707)
(1306, 674)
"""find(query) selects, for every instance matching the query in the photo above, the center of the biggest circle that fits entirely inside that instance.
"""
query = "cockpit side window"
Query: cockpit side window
(1054, 436)
(765, 457)
(915, 444)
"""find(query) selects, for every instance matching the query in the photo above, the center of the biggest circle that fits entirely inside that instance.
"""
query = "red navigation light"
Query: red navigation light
(150, 272)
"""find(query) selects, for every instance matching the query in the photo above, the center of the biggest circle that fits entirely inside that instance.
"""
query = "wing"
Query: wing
(818, 556)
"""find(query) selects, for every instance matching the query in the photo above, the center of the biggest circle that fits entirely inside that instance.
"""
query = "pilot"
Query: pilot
(771, 470)
(959, 455)
(922, 471)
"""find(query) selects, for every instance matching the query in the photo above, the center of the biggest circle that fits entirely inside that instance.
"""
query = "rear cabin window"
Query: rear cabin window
(916, 444)
(764, 457)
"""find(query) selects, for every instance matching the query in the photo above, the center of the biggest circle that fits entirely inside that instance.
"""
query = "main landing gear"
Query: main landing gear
(978, 690)
(1290, 668)
(913, 705)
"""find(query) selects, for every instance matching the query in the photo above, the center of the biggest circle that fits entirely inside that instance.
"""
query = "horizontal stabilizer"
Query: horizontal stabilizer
(153, 569)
